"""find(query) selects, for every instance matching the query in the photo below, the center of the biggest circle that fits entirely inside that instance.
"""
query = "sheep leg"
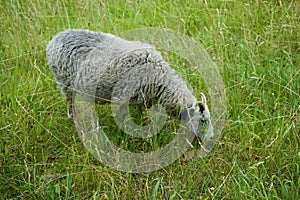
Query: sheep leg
(70, 108)
(69, 97)
(68, 94)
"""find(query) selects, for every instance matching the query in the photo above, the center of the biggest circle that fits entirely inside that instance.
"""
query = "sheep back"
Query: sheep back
(101, 64)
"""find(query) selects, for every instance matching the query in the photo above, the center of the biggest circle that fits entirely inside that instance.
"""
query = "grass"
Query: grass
(255, 45)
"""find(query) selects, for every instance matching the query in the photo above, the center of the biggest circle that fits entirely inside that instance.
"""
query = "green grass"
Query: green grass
(255, 45)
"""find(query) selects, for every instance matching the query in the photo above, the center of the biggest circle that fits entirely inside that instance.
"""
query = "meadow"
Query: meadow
(256, 47)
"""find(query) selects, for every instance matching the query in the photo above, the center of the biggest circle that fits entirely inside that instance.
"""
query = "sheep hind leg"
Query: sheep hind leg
(68, 94)
(70, 108)
(69, 97)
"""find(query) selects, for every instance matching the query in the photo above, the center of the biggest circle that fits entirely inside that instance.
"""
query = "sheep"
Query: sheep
(106, 67)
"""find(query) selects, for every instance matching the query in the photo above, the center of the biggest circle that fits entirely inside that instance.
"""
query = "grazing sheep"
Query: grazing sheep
(107, 67)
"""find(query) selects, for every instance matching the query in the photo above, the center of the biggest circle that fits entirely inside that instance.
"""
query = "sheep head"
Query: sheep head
(198, 117)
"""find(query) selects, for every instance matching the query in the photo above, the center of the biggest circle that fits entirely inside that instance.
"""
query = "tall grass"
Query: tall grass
(255, 45)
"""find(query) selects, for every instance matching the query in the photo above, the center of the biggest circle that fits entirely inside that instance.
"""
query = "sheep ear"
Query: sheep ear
(203, 98)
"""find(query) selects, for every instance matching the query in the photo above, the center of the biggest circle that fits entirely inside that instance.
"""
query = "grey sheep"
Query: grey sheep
(108, 67)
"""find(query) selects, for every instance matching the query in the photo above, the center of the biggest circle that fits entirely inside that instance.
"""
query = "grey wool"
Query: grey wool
(110, 68)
